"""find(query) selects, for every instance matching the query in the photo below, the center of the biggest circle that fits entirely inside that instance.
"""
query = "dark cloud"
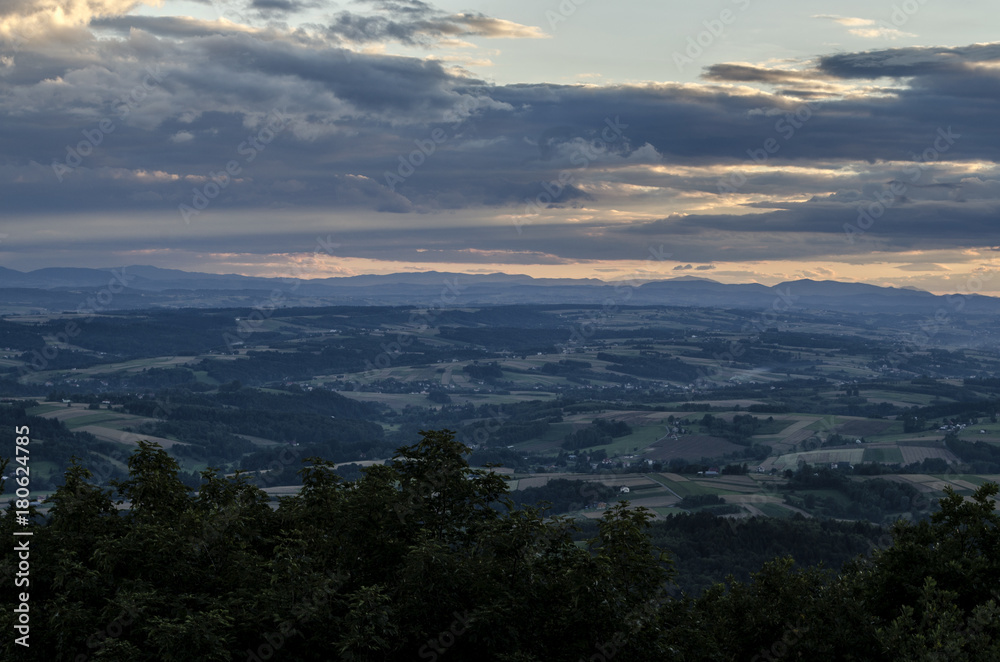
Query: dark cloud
(273, 8)
(913, 61)
(419, 23)
(166, 26)
(750, 74)
(371, 133)
(901, 226)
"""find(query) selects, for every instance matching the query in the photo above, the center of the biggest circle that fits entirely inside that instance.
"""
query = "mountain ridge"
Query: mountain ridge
(151, 287)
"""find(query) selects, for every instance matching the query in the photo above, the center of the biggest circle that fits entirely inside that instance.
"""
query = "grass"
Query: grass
(666, 511)
(774, 510)
(41, 468)
(774, 427)
(634, 443)
(687, 488)
(43, 409)
(879, 395)
(839, 497)
(202, 376)
(975, 480)
(93, 419)
(134, 365)
(887, 455)
(824, 423)
(548, 442)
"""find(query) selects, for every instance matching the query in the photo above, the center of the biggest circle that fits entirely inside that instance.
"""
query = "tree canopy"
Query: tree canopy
(417, 559)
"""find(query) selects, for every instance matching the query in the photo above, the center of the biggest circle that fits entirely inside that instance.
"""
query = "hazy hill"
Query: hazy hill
(58, 288)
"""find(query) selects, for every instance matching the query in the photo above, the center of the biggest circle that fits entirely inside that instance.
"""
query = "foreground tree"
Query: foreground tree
(426, 558)
(418, 559)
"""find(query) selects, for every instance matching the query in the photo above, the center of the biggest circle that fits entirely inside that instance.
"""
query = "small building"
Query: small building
(623, 490)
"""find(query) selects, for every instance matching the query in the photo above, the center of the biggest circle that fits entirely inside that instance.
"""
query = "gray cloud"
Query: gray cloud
(912, 61)
(419, 23)
(405, 136)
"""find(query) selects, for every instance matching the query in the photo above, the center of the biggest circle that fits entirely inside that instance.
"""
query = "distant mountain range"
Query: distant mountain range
(56, 289)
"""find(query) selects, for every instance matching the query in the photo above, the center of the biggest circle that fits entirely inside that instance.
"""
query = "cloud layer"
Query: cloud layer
(135, 132)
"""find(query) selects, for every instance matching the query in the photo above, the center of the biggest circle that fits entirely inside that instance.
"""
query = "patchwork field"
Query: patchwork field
(690, 447)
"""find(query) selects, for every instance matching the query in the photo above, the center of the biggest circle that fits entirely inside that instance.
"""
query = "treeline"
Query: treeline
(94, 388)
(599, 433)
(745, 351)
(347, 354)
(707, 549)
(20, 336)
(488, 372)
(507, 338)
(54, 443)
(343, 439)
(659, 367)
(875, 499)
(131, 335)
(414, 561)
(739, 430)
(317, 401)
(562, 495)
(845, 343)
(982, 458)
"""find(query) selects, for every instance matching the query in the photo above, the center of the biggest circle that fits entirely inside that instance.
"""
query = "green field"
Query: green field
(43, 409)
(548, 442)
(687, 488)
(774, 510)
(639, 439)
(883, 455)
(95, 419)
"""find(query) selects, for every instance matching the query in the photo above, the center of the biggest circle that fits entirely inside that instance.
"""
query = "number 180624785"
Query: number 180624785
(22, 473)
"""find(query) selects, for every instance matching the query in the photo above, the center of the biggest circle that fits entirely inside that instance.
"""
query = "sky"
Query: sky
(738, 140)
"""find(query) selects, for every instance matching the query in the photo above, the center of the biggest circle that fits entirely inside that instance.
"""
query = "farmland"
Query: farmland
(654, 396)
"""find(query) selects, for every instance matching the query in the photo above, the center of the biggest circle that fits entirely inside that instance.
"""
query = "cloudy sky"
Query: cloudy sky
(740, 140)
